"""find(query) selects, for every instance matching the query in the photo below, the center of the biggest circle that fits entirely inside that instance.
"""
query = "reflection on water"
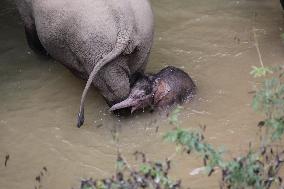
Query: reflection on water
(210, 39)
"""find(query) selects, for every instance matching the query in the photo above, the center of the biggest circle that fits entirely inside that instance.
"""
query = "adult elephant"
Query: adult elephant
(106, 41)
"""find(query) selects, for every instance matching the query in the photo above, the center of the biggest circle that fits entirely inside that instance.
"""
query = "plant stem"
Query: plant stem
(256, 42)
(257, 46)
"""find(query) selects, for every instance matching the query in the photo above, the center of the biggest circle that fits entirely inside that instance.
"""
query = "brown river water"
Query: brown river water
(212, 40)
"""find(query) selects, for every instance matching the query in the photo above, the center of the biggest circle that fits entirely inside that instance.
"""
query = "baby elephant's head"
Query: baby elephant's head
(168, 87)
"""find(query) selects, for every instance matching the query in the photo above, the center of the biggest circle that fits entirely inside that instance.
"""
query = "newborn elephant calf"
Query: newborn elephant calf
(170, 86)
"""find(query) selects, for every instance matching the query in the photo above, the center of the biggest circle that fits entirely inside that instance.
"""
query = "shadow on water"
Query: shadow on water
(210, 39)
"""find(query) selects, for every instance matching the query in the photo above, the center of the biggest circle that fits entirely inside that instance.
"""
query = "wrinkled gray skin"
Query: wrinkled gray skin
(106, 41)
(168, 87)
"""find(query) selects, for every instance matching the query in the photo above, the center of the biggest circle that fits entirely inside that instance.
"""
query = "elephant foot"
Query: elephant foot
(80, 118)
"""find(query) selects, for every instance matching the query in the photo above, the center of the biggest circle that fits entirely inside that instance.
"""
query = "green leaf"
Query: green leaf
(145, 168)
(174, 116)
(260, 71)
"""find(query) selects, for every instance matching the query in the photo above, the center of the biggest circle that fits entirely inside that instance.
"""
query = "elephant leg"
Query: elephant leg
(138, 60)
(26, 12)
(33, 40)
(113, 81)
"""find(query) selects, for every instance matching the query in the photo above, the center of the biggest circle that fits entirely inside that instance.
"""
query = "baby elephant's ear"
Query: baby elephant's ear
(162, 89)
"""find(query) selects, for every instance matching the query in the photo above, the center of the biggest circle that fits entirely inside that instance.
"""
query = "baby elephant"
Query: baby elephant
(169, 86)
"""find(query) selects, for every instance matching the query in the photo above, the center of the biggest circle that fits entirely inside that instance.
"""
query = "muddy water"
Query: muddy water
(212, 40)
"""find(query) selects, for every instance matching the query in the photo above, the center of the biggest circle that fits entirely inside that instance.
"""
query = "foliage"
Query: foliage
(243, 172)
(193, 141)
(173, 119)
(150, 174)
(260, 71)
(250, 170)
(254, 170)
(277, 125)
(257, 169)
(269, 100)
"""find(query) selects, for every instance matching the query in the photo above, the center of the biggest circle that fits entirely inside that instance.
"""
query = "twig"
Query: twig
(256, 42)
(257, 46)
(7, 157)
(126, 163)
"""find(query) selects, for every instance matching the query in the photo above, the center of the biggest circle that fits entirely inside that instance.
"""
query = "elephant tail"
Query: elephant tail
(120, 47)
